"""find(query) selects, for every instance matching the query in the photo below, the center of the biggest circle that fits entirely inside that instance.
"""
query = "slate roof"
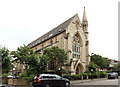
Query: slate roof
(57, 30)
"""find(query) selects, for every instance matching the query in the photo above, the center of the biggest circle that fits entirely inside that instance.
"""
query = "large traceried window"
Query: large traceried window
(76, 47)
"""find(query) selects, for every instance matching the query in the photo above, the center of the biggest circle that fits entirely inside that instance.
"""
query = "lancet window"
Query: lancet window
(76, 47)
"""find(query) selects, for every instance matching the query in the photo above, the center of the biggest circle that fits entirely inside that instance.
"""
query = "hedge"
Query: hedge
(100, 74)
(73, 77)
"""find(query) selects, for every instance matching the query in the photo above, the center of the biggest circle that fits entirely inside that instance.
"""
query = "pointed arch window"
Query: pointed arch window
(76, 46)
(83, 26)
(51, 41)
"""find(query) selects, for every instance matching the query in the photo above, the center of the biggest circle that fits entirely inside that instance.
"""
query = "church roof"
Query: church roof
(57, 30)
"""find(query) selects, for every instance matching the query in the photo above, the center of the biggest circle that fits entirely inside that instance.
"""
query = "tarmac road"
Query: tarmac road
(104, 82)
(98, 83)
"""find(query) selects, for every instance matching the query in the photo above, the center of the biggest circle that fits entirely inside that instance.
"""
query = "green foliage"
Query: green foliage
(96, 74)
(22, 75)
(40, 66)
(5, 74)
(55, 55)
(29, 79)
(87, 72)
(68, 77)
(58, 72)
(100, 61)
(25, 55)
(103, 74)
(6, 60)
(44, 60)
(84, 75)
(116, 67)
(92, 66)
(73, 77)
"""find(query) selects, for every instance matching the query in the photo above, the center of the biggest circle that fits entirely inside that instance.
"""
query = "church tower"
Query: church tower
(85, 24)
(85, 29)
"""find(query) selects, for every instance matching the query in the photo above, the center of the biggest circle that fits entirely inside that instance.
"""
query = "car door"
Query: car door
(59, 81)
(52, 80)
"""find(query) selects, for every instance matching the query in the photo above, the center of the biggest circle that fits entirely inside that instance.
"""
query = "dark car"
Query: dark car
(50, 80)
(112, 75)
(4, 85)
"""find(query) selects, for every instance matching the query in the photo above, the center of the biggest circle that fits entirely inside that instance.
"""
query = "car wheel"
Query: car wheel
(47, 85)
(67, 84)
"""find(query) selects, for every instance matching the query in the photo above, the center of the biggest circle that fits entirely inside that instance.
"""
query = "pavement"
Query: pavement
(83, 81)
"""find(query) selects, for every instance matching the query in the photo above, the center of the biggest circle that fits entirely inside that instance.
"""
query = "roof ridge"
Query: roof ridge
(54, 31)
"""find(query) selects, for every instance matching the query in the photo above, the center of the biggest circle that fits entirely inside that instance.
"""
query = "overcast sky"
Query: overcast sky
(22, 21)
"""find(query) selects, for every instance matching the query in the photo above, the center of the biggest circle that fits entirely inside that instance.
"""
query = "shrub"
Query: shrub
(75, 77)
(28, 79)
(84, 75)
(22, 75)
(68, 77)
(4, 75)
(97, 74)
(119, 73)
(102, 74)
(88, 73)
(94, 75)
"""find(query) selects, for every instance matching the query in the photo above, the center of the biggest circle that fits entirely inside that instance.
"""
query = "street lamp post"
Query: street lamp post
(91, 74)
(92, 70)
(91, 55)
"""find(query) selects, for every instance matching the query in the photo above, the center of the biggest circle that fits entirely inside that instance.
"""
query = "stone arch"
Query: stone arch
(77, 45)
(79, 68)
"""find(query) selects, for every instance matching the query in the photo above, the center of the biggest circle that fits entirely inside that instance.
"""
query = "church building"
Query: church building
(72, 36)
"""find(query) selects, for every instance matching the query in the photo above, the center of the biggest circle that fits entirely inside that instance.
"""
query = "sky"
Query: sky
(22, 21)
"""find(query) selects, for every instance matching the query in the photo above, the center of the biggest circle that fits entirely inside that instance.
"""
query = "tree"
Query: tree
(56, 55)
(6, 60)
(92, 69)
(26, 56)
(92, 66)
(40, 65)
(100, 61)
(116, 67)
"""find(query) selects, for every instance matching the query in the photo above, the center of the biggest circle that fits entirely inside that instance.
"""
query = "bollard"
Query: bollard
(87, 77)
(82, 77)
(10, 80)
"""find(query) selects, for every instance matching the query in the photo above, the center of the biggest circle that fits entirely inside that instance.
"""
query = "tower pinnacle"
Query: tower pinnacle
(84, 16)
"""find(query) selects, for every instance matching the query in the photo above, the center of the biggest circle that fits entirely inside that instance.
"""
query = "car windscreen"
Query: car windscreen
(58, 77)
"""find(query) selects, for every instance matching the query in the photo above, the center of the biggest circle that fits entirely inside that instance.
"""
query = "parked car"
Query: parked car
(112, 75)
(50, 80)
(4, 85)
